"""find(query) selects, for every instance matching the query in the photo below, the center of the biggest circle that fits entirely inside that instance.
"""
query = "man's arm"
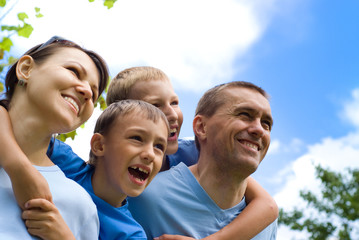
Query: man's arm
(261, 211)
(27, 182)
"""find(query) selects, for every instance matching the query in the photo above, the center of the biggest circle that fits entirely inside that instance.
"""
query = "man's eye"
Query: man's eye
(243, 114)
(267, 125)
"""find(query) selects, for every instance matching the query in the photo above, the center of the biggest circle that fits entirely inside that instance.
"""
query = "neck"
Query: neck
(103, 189)
(31, 135)
(225, 189)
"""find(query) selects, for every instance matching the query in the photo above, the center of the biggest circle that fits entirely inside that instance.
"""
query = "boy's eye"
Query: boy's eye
(137, 138)
(157, 105)
(174, 103)
(160, 147)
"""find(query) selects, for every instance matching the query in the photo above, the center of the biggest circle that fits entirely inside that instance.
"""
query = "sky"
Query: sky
(304, 53)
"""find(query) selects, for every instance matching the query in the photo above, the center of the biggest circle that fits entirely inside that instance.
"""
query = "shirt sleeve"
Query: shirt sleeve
(69, 162)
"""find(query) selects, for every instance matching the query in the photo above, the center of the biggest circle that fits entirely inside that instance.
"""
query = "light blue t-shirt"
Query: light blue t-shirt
(73, 202)
(175, 203)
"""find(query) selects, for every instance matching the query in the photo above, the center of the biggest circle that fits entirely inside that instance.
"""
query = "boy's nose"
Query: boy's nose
(170, 113)
(148, 154)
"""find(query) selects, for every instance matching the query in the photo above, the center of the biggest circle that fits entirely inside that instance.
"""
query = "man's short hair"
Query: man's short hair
(214, 98)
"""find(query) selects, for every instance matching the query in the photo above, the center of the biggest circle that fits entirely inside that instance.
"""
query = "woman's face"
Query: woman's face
(160, 93)
(64, 88)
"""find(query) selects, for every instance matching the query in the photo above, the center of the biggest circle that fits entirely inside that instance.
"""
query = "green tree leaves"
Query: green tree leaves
(336, 208)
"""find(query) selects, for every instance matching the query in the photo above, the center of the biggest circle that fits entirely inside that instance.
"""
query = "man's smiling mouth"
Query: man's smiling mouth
(250, 145)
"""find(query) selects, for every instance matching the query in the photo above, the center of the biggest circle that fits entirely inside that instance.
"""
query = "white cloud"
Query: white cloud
(351, 109)
(296, 145)
(335, 154)
(194, 42)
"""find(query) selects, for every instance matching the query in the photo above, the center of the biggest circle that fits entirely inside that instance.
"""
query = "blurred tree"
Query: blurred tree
(24, 29)
(336, 210)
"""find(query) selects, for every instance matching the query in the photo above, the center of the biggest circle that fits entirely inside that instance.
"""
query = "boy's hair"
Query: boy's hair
(120, 109)
(121, 85)
(214, 98)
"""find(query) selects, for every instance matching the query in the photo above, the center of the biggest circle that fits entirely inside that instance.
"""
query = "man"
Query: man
(232, 131)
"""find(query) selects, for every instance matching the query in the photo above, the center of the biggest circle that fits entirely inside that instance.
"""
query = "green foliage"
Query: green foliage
(337, 208)
(107, 3)
(23, 29)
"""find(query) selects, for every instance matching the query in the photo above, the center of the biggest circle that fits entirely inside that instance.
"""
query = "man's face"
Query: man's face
(238, 134)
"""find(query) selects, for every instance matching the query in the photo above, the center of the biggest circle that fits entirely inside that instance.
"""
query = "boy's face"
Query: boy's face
(160, 93)
(133, 153)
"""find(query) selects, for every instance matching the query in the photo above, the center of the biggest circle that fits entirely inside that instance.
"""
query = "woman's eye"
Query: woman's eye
(94, 96)
(74, 70)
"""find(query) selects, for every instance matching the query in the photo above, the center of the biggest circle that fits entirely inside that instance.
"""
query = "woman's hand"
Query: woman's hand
(43, 219)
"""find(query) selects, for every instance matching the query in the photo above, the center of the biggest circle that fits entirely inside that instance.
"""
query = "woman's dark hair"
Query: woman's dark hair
(41, 52)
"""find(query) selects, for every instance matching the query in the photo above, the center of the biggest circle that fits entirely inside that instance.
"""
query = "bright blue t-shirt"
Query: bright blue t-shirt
(115, 223)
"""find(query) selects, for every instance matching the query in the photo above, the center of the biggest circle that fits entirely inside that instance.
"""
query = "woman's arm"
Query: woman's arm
(27, 182)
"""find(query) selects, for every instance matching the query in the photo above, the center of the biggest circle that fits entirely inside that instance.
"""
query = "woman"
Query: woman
(51, 89)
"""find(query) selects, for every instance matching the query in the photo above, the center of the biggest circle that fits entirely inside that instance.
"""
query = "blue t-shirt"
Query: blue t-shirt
(115, 223)
(186, 153)
(175, 203)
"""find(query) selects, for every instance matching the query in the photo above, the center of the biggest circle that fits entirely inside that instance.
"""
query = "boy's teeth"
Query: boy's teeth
(141, 169)
(72, 102)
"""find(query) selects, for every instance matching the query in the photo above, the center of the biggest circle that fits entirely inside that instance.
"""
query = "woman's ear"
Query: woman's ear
(200, 127)
(98, 145)
(24, 66)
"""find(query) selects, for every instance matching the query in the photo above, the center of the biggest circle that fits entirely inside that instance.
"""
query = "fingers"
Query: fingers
(39, 203)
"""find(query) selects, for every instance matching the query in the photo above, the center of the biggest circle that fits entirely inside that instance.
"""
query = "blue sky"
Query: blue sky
(304, 53)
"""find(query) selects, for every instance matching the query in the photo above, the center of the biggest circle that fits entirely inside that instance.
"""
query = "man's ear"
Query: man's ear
(24, 66)
(200, 127)
(98, 145)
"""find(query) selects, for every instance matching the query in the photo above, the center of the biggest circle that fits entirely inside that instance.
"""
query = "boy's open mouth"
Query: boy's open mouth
(138, 173)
